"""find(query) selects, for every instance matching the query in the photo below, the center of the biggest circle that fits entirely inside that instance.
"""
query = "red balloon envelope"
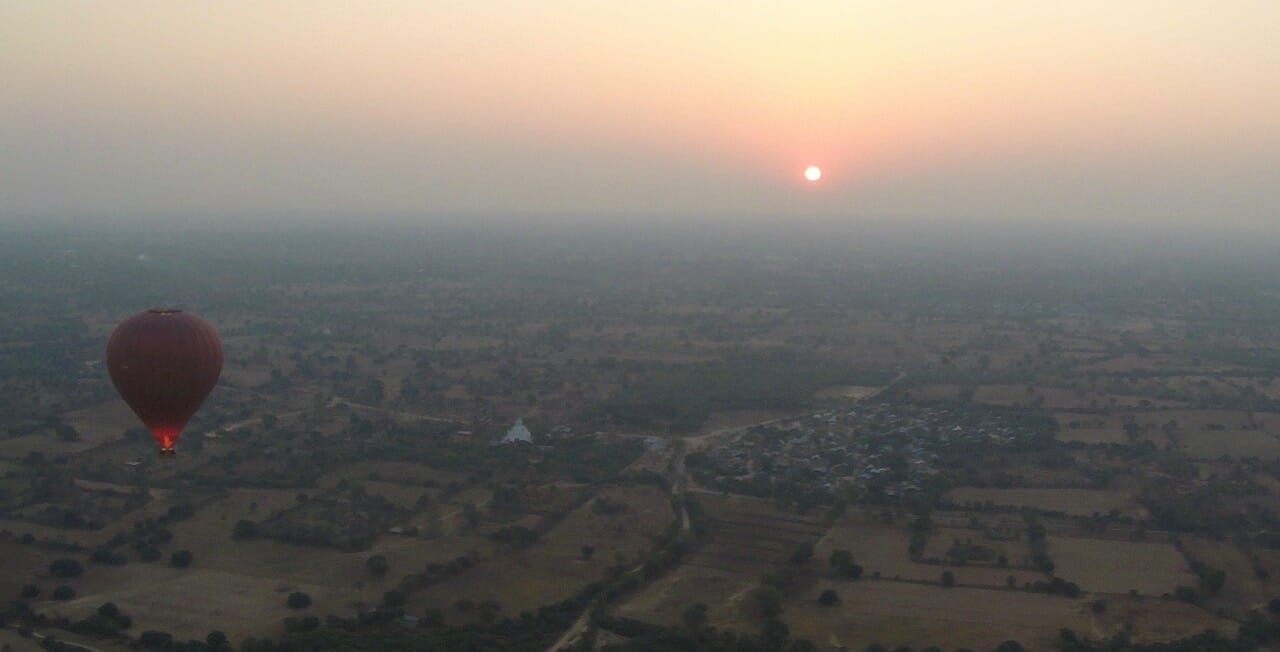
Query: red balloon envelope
(164, 363)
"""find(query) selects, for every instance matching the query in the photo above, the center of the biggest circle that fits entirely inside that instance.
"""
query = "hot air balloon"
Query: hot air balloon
(164, 363)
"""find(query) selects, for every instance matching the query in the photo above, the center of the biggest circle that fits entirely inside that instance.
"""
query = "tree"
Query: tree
(155, 639)
(180, 559)
(108, 610)
(298, 600)
(31, 590)
(802, 554)
(245, 529)
(487, 611)
(64, 593)
(694, 617)
(1009, 646)
(377, 565)
(394, 598)
(66, 568)
(217, 640)
(768, 602)
(840, 559)
(587, 552)
(829, 598)
(948, 579)
(775, 634)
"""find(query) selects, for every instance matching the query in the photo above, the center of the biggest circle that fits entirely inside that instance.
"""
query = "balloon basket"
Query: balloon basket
(168, 452)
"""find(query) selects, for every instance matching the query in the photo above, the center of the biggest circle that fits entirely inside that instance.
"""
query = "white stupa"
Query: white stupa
(518, 433)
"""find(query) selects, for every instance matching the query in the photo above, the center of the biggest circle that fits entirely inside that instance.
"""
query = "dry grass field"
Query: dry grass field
(1243, 589)
(1060, 398)
(883, 549)
(190, 602)
(1206, 444)
(1108, 566)
(852, 392)
(750, 535)
(728, 419)
(1080, 502)
(554, 568)
(902, 613)
(662, 601)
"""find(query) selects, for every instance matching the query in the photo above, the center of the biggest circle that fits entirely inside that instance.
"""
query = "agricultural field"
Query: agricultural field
(879, 407)
(904, 613)
(556, 566)
(1078, 502)
(1106, 566)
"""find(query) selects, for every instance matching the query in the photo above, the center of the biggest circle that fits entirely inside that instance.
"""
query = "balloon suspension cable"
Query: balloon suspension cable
(168, 451)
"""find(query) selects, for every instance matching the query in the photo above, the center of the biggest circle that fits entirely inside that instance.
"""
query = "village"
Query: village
(878, 450)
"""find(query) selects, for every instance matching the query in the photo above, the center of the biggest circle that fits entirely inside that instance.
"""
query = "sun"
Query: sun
(813, 173)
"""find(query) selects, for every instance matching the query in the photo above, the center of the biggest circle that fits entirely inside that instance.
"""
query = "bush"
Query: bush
(31, 590)
(216, 640)
(829, 598)
(155, 639)
(64, 593)
(109, 610)
(105, 555)
(244, 530)
(66, 568)
(393, 598)
(180, 559)
(299, 600)
(377, 565)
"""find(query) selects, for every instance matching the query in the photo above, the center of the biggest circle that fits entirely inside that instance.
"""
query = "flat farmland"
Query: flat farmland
(1109, 428)
(854, 392)
(749, 535)
(1049, 397)
(903, 613)
(883, 549)
(1061, 398)
(727, 419)
(1117, 566)
(103, 422)
(877, 548)
(189, 603)
(937, 392)
(1079, 502)
(97, 425)
(208, 536)
(1206, 444)
(663, 600)
(554, 568)
(1243, 590)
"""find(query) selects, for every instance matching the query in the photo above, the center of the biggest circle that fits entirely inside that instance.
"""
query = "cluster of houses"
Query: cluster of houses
(893, 448)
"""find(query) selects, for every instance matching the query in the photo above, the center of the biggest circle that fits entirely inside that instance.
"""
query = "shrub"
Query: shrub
(66, 568)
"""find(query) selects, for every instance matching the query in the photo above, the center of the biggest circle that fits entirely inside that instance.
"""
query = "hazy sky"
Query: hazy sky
(1018, 110)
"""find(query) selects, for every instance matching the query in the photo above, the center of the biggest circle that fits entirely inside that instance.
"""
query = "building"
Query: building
(518, 433)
